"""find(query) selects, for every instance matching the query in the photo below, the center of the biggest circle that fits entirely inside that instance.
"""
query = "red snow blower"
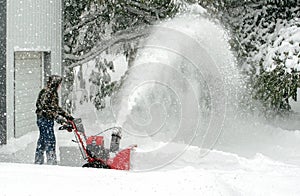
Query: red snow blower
(93, 150)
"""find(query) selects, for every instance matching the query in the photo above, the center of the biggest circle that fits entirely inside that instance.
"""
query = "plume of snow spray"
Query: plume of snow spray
(180, 89)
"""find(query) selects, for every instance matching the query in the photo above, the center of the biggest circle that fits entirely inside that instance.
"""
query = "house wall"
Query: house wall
(2, 71)
(32, 25)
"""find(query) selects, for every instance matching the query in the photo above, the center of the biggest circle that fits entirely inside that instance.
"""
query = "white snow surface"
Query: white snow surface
(253, 159)
(217, 174)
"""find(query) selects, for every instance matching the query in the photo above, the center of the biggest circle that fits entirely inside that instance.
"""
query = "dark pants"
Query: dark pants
(46, 142)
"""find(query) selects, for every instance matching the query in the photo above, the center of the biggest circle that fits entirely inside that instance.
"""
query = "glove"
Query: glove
(70, 117)
(60, 120)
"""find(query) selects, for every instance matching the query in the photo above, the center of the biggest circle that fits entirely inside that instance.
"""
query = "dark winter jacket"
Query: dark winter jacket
(47, 103)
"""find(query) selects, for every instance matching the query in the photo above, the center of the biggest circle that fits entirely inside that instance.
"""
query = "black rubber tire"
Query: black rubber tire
(96, 164)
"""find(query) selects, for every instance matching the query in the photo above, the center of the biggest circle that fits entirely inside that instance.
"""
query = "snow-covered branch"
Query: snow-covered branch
(120, 37)
(85, 22)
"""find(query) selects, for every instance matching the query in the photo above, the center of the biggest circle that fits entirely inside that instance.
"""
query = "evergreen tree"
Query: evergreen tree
(265, 45)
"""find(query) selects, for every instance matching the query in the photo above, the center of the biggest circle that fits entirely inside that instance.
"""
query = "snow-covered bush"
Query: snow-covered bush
(271, 43)
(285, 48)
(265, 37)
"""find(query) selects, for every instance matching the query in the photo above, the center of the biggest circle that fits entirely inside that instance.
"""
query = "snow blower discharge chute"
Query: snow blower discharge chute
(93, 150)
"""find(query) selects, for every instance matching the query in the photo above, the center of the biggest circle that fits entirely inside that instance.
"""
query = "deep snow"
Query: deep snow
(218, 173)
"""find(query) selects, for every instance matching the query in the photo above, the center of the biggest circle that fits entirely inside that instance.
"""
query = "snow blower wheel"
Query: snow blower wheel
(96, 164)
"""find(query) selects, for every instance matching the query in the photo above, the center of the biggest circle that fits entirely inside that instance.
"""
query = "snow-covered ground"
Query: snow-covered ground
(219, 173)
(272, 167)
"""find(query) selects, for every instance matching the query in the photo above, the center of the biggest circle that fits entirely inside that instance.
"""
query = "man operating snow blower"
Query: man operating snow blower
(48, 110)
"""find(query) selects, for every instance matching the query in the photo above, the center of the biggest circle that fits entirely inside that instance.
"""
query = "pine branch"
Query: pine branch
(126, 35)
(83, 23)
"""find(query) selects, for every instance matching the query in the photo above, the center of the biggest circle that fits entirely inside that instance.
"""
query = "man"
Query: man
(47, 111)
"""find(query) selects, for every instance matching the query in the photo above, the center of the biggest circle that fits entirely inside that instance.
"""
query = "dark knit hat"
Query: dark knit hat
(54, 81)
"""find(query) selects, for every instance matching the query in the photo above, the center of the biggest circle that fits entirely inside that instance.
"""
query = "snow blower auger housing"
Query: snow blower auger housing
(93, 150)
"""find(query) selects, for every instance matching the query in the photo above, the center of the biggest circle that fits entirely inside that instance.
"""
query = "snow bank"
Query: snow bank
(229, 175)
